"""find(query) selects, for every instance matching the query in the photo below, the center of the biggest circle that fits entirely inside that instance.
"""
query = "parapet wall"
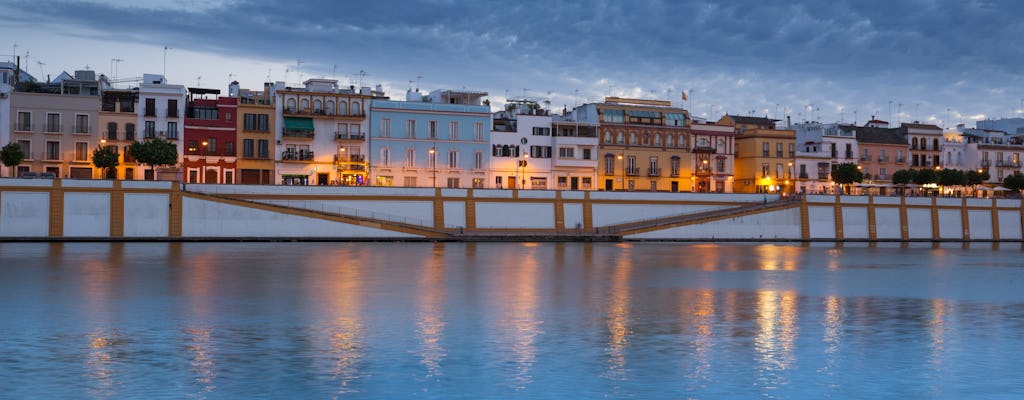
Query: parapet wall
(42, 209)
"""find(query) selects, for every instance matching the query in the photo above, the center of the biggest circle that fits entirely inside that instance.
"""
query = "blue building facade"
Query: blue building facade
(436, 140)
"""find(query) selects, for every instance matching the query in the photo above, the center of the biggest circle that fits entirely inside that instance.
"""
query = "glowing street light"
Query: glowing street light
(433, 162)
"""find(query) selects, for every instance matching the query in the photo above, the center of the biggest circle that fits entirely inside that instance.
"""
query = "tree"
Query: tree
(1014, 182)
(903, 176)
(11, 155)
(105, 158)
(952, 177)
(925, 176)
(846, 173)
(976, 178)
(154, 152)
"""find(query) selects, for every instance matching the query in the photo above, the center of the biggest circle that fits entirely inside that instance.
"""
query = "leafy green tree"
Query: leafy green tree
(1014, 182)
(926, 176)
(903, 176)
(845, 174)
(976, 178)
(154, 152)
(11, 155)
(952, 177)
(105, 158)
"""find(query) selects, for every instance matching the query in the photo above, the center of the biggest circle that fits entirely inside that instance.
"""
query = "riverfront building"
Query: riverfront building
(644, 144)
(925, 144)
(118, 119)
(322, 135)
(765, 155)
(55, 124)
(714, 149)
(883, 152)
(161, 114)
(575, 154)
(995, 152)
(256, 127)
(522, 146)
(436, 140)
(210, 135)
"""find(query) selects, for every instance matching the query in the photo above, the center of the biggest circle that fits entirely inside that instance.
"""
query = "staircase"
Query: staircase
(632, 228)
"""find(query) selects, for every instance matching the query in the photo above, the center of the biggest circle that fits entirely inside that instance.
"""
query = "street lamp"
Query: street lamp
(623, 171)
(433, 162)
(202, 160)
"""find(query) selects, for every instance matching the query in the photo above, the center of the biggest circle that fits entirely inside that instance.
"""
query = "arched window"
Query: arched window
(607, 136)
(703, 142)
(913, 143)
(505, 151)
(355, 108)
(935, 144)
(318, 107)
(647, 138)
(657, 140)
(342, 108)
(618, 139)
(632, 138)
(304, 104)
(290, 105)
(609, 164)
(112, 130)
(330, 107)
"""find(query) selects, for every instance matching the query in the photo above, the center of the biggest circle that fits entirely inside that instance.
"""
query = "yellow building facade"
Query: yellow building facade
(644, 145)
(256, 142)
(765, 156)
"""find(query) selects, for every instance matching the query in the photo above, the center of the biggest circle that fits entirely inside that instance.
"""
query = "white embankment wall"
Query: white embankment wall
(55, 209)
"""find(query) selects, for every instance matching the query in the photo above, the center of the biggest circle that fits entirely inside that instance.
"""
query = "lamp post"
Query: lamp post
(623, 159)
(523, 163)
(202, 161)
(433, 165)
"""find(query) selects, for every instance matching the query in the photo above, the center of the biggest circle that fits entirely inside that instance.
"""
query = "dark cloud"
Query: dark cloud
(895, 48)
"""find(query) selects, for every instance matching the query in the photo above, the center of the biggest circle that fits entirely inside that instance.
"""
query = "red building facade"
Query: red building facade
(211, 136)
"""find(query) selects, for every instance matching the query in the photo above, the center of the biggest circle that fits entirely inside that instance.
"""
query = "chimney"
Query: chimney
(788, 123)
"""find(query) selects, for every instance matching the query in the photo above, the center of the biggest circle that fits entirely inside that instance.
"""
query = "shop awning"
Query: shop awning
(298, 124)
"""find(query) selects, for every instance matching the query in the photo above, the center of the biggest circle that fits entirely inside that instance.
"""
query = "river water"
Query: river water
(510, 320)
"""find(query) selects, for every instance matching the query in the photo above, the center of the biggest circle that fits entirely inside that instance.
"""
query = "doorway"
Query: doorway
(321, 179)
(608, 185)
(211, 176)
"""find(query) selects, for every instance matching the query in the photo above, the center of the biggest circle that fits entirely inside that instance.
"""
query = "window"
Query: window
(129, 131)
(81, 123)
(248, 148)
(540, 151)
(566, 152)
(256, 122)
(618, 139)
(720, 165)
(385, 156)
(657, 140)
(150, 129)
(111, 131)
(478, 131)
(792, 149)
(453, 130)
(207, 113)
(410, 128)
(632, 139)
(497, 182)
(227, 116)
(778, 171)
(52, 122)
(26, 147)
(586, 154)
(607, 137)
(478, 160)
(150, 107)
(52, 150)
(432, 129)
(778, 150)
(24, 121)
(172, 130)
(453, 159)
(538, 182)
(764, 149)
(229, 148)
(172, 108)
(614, 116)
(674, 166)
(355, 109)
(409, 181)
(211, 146)
(675, 119)
(410, 157)
(127, 155)
(609, 164)
(263, 148)
(539, 131)
(81, 151)
(385, 127)
(764, 170)
(453, 183)
(478, 183)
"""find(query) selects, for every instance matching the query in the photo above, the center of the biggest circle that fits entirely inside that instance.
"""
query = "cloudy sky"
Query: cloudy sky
(940, 61)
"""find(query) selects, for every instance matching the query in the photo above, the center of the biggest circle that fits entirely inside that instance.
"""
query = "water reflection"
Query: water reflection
(342, 292)
(519, 326)
(776, 322)
(698, 314)
(430, 322)
(618, 313)
(105, 348)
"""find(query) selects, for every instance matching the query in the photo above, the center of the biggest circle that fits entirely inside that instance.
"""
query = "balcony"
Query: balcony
(901, 160)
(803, 175)
(129, 135)
(632, 171)
(883, 159)
(150, 134)
(653, 171)
(172, 113)
(110, 135)
(150, 112)
(297, 133)
(865, 157)
(849, 154)
(349, 158)
(52, 128)
(300, 155)
(986, 163)
(81, 129)
(674, 173)
(23, 127)
(172, 135)
(349, 136)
